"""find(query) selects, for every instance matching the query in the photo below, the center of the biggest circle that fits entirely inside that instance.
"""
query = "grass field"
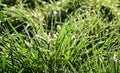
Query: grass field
(59, 36)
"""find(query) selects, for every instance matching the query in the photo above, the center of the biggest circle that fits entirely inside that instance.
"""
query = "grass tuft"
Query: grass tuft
(78, 36)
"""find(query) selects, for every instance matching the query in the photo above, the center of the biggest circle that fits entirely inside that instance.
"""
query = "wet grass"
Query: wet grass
(72, 36)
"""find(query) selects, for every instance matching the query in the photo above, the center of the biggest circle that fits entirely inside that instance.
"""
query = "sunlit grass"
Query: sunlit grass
(58, 38)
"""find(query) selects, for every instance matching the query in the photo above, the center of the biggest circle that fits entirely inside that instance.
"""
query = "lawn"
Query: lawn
(59, 36)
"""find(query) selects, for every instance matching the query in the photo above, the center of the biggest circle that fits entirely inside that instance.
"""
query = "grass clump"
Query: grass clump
(76, 36)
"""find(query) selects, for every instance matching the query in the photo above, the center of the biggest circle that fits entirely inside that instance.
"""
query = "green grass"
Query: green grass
(65, 36)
